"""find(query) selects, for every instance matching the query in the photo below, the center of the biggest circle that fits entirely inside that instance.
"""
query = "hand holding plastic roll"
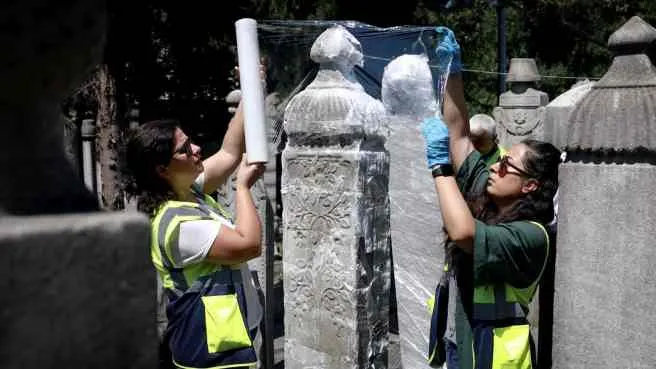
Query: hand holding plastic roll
(248, 54)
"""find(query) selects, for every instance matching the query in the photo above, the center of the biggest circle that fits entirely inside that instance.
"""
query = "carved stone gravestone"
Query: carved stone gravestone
(336, 256)
(520, 113)
(78, 290)
(605, 285)
(416, 224)
(556, 118)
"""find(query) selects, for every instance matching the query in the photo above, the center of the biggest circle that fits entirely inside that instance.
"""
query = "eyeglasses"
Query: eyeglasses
(504, 163)
(185, 148)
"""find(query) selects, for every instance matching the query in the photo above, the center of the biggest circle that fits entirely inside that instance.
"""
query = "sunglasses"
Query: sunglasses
(504, 163)
(185, 148)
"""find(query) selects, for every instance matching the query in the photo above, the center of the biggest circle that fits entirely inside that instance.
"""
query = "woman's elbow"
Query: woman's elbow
(255, 249)
(236, 250)
(463, 238)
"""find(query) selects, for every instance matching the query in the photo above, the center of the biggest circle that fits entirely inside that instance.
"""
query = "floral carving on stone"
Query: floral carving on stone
(315, 215)
(320, 171)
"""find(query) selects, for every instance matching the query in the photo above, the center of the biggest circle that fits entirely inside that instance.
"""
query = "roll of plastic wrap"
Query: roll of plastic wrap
(248, 53)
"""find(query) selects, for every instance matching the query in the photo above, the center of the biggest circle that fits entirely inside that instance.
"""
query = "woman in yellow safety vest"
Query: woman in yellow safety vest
(498, 245)
(198, 250)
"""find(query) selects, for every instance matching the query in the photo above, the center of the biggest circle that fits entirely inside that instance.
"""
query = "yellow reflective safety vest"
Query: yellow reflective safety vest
(207, 304)
(500, 330)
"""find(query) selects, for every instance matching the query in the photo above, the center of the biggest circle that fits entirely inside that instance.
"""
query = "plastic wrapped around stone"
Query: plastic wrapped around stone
(407, 88)
(334, 109)
(336, 217)
(337, 46)
(286, 44)
(415, 222)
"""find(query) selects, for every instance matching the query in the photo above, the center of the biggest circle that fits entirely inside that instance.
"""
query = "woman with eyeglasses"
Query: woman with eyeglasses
(498, 245)
(197, 248)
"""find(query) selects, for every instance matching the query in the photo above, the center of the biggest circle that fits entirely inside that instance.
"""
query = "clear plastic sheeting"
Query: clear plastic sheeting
(339, 47)
(287, 44)
(344, 155)
(407, 89)
(336, 255)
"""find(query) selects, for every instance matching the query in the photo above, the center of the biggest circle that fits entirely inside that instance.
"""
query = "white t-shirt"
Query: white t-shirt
(195, 240)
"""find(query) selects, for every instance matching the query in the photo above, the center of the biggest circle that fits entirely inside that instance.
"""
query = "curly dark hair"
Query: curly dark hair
(149, 146)
(542, 160)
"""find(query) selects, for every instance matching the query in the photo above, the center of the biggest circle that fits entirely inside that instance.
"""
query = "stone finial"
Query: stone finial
(617, 114)
(337, 46)
(634, 36)
(407, 87)
(523, 70)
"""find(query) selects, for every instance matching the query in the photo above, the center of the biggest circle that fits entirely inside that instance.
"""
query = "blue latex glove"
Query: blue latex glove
(436, 139)
(448, 47)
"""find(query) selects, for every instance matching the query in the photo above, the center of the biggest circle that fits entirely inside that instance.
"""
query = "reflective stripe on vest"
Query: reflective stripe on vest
(207, 305)
(165, 231)
(503, 301)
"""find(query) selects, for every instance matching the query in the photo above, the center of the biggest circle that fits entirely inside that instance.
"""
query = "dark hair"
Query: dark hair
(149, 146)
(541, 160)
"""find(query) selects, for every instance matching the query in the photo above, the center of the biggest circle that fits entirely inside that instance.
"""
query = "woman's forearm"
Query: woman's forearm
(220, 166)
(248, 221)
(456, 217)
(457, 119)
(233, 140)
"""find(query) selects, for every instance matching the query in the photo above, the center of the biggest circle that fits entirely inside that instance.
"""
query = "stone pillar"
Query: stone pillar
(605, 284)
(336, 255)
(520, 113)
(415, 220)
(78, 290)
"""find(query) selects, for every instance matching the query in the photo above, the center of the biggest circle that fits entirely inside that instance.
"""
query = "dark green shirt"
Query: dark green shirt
(512, 253)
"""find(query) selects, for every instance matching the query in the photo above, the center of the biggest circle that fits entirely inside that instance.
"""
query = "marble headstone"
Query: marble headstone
(605, 285)
(520, 113)
(336, 257)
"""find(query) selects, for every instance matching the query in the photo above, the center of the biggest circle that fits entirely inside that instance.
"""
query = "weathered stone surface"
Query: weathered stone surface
(523, 70)
(618, 114)
(556, 118)
(417, 238)
(605, 287)
(520, 114)
(78, 292)
(604, 284)
(336, 217)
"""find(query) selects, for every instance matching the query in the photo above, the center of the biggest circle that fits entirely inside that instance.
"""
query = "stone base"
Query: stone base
(78, 291)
